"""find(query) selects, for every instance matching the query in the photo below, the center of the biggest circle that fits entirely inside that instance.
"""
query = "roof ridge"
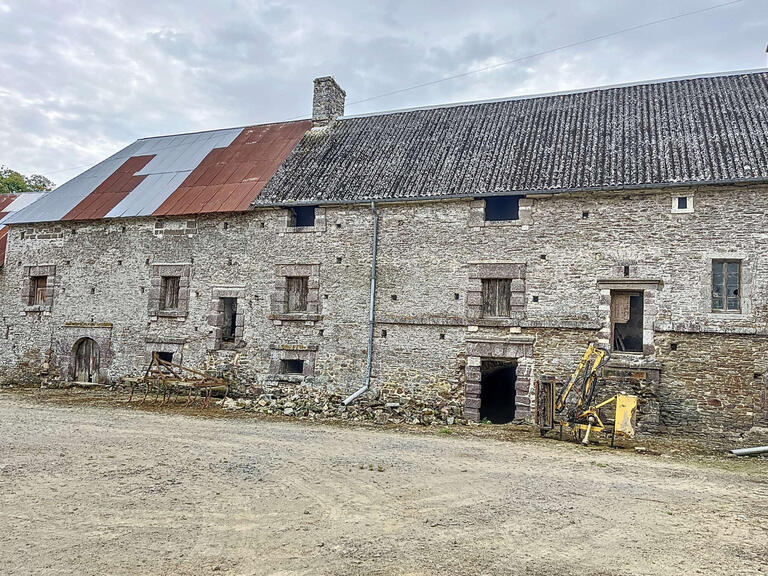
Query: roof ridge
(220, 129)
(604, 87)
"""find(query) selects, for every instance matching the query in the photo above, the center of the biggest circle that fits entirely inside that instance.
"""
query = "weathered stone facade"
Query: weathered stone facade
(698, 371)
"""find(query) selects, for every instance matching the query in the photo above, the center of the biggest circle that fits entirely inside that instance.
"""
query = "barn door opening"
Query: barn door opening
(86, 367)
(497, 391)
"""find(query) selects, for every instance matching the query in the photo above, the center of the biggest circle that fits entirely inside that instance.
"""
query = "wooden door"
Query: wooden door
(87, 361)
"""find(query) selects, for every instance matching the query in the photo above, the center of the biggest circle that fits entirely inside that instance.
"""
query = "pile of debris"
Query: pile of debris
(306, 402)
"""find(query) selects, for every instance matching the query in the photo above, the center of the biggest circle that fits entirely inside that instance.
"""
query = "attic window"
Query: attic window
(502, 208)
(302, 217)
(682, 204)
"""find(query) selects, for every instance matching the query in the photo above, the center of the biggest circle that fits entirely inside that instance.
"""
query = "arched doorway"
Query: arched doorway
(86, 365)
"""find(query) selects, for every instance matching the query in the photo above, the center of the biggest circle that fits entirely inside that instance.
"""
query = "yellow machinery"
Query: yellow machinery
(572, 408)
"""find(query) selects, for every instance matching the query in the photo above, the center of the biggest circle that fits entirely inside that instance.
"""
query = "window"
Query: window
(292, 366)
(297, 288)
(627, 321)
(726, 286)
(38, 290)
(302, 217)
(169, 292)
(499, 208)
(496, 296)
(229, 326)
(682, 204)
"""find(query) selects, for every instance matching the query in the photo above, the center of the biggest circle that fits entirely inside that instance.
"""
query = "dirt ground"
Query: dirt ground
(96, 488)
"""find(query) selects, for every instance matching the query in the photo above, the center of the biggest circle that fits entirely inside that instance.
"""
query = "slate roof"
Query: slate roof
(711, 129)
(183, 174)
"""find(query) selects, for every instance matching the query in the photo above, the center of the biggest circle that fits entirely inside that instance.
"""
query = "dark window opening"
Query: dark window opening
(169, 292)
(627, 321)
(229, 323)
(292, 366)
(682, 202)
(297, 289)
(626, 271)
(496, 294)
(165, 356)
(499, 208)
(302, 216)
(38, 290)
(497, 391)
(726, 286)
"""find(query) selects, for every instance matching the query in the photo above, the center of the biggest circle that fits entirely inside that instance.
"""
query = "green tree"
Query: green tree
(12, 182)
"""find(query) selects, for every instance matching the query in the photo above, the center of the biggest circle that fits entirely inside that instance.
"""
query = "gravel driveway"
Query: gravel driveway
(109, 490)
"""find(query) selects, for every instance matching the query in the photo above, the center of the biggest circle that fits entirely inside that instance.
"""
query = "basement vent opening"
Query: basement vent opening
(165, 356)
(502, 208)
(302, 217)
(291, 366)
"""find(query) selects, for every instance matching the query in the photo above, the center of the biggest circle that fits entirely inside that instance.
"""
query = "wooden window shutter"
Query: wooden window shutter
(297, 288)
(169, 293)
(496, 295)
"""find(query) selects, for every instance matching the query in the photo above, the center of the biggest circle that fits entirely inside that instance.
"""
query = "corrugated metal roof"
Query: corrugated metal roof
(10, 204)
(707, 129)
(173, 175)
(228, 179)
(5, 200)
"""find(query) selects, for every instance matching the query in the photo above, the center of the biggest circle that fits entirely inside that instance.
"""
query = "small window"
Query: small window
(302, 217)
(165, 356)
(726, 286)
(169, 292)
(292, 366)
(229, 323)
(501, 208)
(297, 289)
(38, 290)
(627, 321)
(682, 204)
(496, 294)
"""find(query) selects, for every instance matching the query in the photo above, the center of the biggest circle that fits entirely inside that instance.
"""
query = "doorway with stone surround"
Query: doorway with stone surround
(498, 374)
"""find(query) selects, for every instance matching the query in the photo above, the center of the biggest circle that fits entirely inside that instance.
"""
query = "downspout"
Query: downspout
(371, 309)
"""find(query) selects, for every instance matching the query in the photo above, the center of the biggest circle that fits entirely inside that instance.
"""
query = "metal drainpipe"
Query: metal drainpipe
(371, 309)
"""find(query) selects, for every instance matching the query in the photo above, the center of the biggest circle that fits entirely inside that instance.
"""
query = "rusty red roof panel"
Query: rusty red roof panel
(6, 199)
(229, 179)
(3, 244)
(111, 192)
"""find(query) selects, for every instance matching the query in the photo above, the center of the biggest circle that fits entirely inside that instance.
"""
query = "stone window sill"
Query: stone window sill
(295, 378)
(37, 308)
(296, 317)
(171, 314)
(503, 322)
(491, 223)
(301, 229)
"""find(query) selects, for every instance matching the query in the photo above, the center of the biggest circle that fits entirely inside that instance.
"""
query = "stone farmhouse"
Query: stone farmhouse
(449, 256)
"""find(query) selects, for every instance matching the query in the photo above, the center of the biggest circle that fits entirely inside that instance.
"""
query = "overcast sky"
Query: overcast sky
(80, 80)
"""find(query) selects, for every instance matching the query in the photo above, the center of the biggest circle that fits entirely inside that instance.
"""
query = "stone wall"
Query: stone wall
(566, 254)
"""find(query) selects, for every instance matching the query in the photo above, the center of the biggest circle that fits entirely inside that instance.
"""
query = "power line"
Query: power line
(545, 52)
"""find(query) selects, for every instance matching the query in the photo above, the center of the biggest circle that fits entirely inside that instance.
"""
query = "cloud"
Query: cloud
(82, 80)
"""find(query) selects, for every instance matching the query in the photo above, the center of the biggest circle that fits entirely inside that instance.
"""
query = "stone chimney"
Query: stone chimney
(328, 101)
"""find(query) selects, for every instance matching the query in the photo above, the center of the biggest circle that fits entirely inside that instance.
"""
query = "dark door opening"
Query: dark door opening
(497, 391)
(86, 367)
(627, 320)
